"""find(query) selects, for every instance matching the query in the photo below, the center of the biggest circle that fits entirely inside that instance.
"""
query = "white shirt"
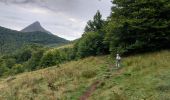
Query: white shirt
(118, 57)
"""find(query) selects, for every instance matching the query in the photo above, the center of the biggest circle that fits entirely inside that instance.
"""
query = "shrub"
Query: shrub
(51, 58)
(89, 73)
(89, 44)
(24, 56)
(18, 68)
(34, 61)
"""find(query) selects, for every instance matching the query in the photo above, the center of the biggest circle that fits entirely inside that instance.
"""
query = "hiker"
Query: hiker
(118, 58)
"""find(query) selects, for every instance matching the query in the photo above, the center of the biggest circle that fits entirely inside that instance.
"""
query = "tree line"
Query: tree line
(33, 57)
(134, 26)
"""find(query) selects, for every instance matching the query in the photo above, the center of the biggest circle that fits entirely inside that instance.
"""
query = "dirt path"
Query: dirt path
(93, 87)
(89, 91)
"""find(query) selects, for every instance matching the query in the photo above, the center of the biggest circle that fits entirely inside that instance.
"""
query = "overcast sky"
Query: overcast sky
(65, 18)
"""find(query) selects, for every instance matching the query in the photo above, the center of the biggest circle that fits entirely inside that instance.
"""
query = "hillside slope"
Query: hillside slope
(141, 77)
(11, 40)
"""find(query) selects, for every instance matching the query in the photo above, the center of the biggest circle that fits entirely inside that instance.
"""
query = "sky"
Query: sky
(64, 18)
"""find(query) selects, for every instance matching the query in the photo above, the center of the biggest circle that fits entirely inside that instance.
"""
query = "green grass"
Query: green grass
(142, 77)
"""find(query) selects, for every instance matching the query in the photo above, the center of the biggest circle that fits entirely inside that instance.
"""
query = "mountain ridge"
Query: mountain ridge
(34, 27)
(12, 40)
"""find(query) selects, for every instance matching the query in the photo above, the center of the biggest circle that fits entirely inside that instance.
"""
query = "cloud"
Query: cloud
(17, 1)
(65, 18)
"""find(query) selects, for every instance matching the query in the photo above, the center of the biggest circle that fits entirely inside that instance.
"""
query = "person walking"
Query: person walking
(118, 59)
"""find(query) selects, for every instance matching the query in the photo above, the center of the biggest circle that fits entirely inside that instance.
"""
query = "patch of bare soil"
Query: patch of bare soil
(89, 91)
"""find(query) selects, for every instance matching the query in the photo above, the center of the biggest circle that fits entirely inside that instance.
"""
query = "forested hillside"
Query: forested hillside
(11, 40)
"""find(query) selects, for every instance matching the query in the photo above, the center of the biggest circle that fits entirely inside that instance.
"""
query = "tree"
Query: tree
(9, 62)
(96, 24)
(51, 58)
(3, 68)
(34, 62)
(90, 44)
(25, 55)
(139, 25)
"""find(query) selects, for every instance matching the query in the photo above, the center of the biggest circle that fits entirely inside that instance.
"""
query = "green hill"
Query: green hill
(142, 77)
(11, 40)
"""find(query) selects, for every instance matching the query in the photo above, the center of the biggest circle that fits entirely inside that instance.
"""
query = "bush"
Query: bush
(9, 62)
(51, 58)
(24, 55)
(89, 73)
(67, 54)
(34, 62)
(18, 68)
(3, 70)
(89, 44)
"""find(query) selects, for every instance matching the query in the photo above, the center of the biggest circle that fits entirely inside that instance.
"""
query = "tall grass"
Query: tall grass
(69, 81)
(141, 77)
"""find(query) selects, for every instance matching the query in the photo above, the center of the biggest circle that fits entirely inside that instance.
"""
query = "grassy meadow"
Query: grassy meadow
(141, 77)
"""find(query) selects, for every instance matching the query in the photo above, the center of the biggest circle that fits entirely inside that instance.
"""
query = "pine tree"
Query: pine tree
(139, 25)
(96, 24)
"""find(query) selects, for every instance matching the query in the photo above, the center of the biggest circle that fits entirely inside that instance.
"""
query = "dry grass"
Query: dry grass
(66, 46)
(144, 77)
(66, 82)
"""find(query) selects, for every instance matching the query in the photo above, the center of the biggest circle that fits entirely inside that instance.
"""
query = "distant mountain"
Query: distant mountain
(11, 40)
(34, 27)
